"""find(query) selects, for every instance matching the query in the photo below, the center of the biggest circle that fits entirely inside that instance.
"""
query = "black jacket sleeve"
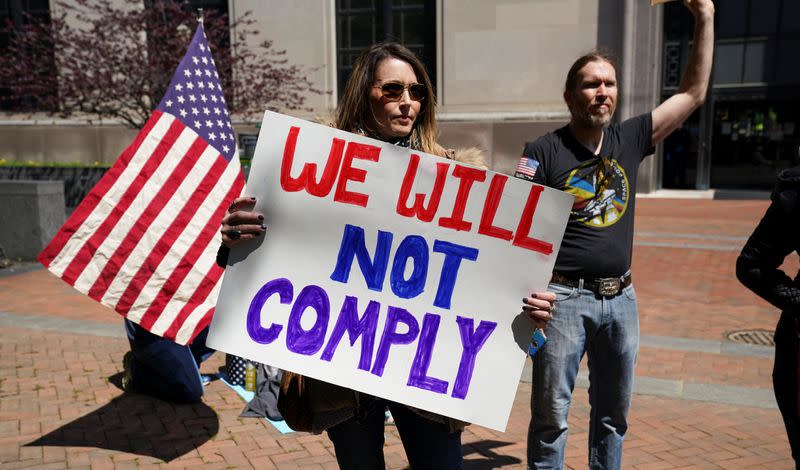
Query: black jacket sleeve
(222, 256)
(758, 266)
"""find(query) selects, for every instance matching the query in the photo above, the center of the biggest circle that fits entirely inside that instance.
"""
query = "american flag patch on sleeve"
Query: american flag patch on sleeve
(526, 168)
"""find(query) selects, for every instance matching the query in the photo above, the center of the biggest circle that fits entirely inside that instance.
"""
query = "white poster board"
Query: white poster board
(349, 286)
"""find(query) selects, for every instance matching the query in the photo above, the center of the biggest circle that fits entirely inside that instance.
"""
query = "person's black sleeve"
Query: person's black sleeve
(758, 266)
(222, 256)
(533, 158)
(638, 133)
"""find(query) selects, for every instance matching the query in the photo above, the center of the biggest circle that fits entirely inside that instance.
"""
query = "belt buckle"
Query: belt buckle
(608, 286)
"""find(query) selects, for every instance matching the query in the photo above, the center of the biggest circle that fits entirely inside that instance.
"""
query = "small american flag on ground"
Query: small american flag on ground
(526, 168)
(144, 240)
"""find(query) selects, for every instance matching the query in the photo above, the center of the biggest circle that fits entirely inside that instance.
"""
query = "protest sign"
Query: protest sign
(389, 271)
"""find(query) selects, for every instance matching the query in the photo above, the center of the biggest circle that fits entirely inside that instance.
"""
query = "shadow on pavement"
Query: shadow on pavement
(141, 425)
(490, 458)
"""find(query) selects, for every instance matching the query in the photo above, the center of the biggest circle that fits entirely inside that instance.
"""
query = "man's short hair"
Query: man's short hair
(594, 56)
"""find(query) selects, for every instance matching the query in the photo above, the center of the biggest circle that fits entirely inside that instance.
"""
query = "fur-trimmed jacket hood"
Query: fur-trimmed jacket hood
(470, 155)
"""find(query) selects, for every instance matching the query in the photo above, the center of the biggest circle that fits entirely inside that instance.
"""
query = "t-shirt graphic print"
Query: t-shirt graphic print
(601, 191)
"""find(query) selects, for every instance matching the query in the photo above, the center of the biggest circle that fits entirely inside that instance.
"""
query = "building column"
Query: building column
(640, 75)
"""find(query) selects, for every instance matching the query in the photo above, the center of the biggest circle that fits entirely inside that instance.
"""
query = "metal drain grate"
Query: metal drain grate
(759, 337)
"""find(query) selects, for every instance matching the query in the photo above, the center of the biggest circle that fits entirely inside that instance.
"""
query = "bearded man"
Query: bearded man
(595, 310)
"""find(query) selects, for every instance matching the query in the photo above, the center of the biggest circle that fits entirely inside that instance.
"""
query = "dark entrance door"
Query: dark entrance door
(753, 140)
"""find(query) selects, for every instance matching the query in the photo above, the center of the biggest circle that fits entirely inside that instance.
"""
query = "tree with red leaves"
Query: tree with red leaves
(106, 59)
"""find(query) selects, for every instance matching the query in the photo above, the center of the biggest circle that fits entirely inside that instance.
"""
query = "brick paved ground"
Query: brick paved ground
(695, 407)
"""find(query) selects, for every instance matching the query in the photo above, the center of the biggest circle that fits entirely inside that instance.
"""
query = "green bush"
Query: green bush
(31, 163)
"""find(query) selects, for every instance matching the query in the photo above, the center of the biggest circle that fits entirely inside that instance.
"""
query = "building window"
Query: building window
(361, 23)
(756, 42)
(751, 125)
(14, 15)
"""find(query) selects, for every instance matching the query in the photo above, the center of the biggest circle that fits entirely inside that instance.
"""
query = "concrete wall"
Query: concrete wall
(32, 212)
(511, 55)
(306, 30)
(52, 141)
(502, 142)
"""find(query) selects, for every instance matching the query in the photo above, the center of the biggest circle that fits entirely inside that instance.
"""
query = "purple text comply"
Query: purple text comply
(413, 247)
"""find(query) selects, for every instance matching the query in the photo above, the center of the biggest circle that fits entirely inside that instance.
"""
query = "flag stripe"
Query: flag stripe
(196, 289)
(82, 258)
(191, 293)
(173, 210)
(188, 282)
(133, 204)
(135, 209)
(105, 205)
(188, 327)
(203, 216)
(191, 256)
(197, 299)
(173, 231)
(82, 212)
(139, 228)
(201, 325)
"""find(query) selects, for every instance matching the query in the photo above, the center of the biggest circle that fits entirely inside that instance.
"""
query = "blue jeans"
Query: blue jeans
(165, 369)
(607, 330)
(359, 440)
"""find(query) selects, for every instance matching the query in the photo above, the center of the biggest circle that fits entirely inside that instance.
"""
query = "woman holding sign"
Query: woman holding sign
(388, 97)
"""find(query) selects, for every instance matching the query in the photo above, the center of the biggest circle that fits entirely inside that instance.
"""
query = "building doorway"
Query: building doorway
(753, 140)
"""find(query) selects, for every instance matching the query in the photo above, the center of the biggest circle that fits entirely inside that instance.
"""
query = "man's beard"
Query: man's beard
(587, 119)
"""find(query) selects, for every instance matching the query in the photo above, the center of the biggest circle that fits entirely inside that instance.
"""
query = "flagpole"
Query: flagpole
(200, 15)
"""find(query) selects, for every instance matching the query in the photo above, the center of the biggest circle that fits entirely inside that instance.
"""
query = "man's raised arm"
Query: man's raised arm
(670, 114)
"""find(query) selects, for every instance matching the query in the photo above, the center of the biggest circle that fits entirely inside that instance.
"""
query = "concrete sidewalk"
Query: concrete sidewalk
(701, 400)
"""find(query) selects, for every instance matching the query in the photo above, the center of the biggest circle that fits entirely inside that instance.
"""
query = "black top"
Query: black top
(776, 236)
(222, 256)
(598, 240)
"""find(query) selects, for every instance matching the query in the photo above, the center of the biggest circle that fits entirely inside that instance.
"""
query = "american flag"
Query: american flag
(526, 168)
(144, 240)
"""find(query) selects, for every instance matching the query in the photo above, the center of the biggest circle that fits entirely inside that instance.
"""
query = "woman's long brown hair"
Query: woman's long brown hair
(354, 112)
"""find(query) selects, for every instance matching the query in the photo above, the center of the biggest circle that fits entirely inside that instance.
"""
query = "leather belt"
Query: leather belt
(606, 286)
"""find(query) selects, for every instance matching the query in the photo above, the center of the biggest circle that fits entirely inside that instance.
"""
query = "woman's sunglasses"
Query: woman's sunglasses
(393, 91)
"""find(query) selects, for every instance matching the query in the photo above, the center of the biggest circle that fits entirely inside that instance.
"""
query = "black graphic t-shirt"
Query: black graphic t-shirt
(599, 237)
